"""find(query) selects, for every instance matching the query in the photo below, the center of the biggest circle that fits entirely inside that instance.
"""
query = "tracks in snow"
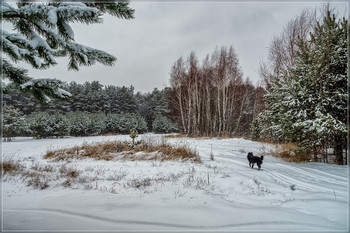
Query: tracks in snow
(283, 173)
(136, 224)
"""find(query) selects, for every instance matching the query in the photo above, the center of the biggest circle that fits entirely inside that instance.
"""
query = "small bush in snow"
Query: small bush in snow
(13, 123)
(162, 124)
(139, 183)
(38, 181)
(68, 172)
(133, 135)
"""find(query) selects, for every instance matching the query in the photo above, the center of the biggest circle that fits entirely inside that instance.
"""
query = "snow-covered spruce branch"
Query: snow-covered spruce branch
(42, 89)
(42, 33)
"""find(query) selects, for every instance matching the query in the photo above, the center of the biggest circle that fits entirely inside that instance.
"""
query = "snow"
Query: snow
(220, 195)
(72, 10)
(52, 16)
(14, 48)
(27, 84)
(5, 7)
(36, 41)
(37, 61)
(63, 93)
(68, 30)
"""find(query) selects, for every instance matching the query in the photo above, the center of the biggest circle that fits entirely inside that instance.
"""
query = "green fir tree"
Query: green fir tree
(308, 105)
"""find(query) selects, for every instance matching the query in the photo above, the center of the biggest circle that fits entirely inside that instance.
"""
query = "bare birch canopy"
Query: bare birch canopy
(211, 98)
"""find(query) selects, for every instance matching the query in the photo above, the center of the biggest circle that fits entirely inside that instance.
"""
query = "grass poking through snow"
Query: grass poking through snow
(288, 152)
(145, 150)
(10, 167)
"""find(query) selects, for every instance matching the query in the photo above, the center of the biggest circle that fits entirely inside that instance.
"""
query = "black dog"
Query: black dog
(254, 159)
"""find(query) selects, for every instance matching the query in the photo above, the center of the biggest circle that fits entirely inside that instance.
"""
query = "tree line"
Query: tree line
(56, 124)
(90, 97)
(94, 109)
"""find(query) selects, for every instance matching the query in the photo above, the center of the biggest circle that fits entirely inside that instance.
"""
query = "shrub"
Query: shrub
(80, 123)
(128, 121)
(13, 123)
(45, 125)
(98, 151)
(139, 183)
(288, 152)
(162, 124)
(37, 181)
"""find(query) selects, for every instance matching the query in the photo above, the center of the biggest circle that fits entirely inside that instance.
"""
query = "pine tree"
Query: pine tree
(44, 125)
(79, 123)
(127, 102)
(13, 123)
(308, 105)
(133, 134)
(112, 102)
(162, 124)
(97, 124)
(42, 33)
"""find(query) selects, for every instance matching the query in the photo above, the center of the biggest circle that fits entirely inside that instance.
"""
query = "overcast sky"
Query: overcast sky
(146, 47)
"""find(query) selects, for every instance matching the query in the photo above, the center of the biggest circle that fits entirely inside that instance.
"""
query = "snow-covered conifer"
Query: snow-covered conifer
(13, 123)
(79, 123)
(162, 124)
(44, 125)
(42, 32)
(308, 105)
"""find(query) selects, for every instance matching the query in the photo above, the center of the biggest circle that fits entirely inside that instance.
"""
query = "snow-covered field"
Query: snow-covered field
(220, 195)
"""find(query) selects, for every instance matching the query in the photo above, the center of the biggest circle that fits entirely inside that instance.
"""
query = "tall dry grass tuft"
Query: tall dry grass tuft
(98, 151)
(10, 167)
(163, 150)
(219, 137)
(149, 149)
(288, 152)
(175, 136)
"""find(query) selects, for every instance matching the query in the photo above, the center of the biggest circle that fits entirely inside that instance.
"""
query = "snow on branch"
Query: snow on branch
(78, 12)
(120, 9)
(84, 55)
(42, 33)
(44, 88)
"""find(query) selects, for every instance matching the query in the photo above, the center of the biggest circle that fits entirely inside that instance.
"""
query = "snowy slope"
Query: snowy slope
(220, 195)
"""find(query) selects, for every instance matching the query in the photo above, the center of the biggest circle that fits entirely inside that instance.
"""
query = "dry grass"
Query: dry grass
(148, 149)
(68, 172)
(36, 179)
(288, 152)
(98, 151)
(38, 176)
(188, 136)
(224, 136)
(10, 167)
(139, 183)
(43, 168)
(165, 151)
(175, 136)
